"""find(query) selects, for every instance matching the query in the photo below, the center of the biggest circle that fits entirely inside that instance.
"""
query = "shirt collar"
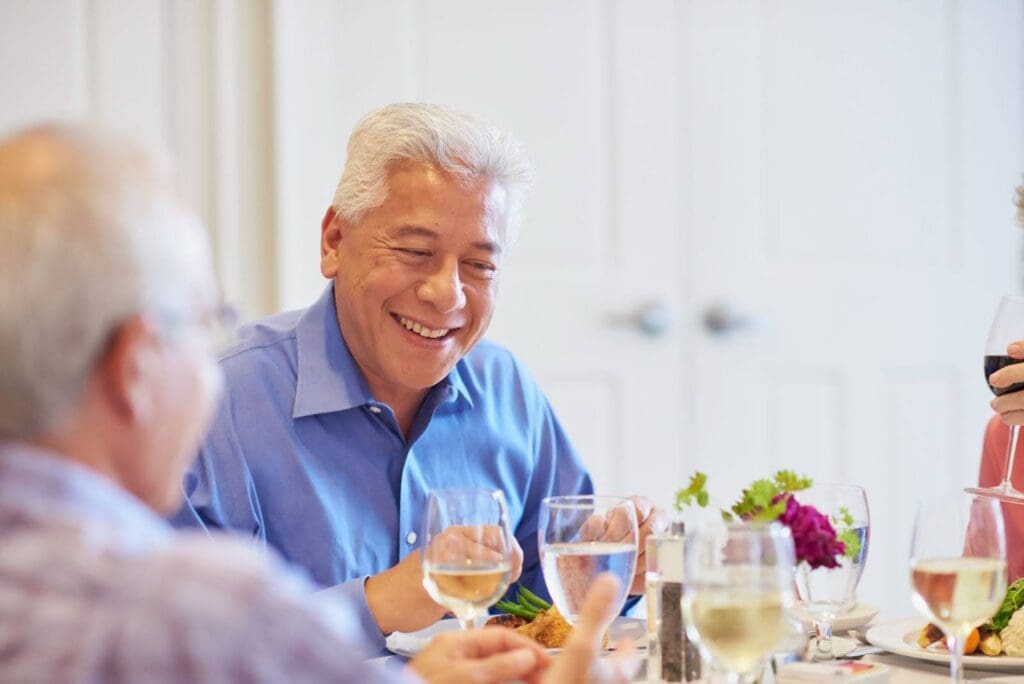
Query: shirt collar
(47, 486)
(328, 378)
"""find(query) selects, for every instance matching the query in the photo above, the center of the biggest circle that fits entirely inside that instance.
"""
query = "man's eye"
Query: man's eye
(413, 252)
(483, 267)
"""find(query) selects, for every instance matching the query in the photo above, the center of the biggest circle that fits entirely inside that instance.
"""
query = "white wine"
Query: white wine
(570, 568)
(466, 590)
(958, 593)
(737, 628)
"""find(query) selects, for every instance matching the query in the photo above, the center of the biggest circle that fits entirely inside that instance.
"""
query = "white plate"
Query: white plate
(411, 643)
(858, 616)
(900, 637)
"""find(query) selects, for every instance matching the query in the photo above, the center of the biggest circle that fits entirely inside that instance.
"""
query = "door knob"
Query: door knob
(721, 319)
(653, 319)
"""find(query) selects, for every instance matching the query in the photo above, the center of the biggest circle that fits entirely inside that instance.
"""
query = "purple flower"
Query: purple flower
(813, 535)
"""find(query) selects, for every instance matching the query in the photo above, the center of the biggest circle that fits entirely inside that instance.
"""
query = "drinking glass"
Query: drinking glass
(825, 593)
(958, 566)
(1007, 327)
(737, 595)
(581, 537)
(467, 553)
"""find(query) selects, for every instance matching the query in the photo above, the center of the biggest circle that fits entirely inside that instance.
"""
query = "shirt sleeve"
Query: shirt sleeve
(993, 453)
(353, 593)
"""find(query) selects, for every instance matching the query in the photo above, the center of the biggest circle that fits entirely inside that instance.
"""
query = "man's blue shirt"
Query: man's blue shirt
(302, 457)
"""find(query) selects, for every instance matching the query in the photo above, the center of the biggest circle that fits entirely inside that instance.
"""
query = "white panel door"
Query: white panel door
(853, 174)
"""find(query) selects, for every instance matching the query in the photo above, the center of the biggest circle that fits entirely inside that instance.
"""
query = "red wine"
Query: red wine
(994, 363)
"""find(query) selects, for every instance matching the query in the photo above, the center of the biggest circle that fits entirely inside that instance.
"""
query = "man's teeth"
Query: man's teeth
(422, 330)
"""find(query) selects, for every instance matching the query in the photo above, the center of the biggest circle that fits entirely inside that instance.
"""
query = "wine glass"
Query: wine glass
(738, 592)
(467, 554)
(580, 538)
(1007, 327)
(825, 593)
(958, 567)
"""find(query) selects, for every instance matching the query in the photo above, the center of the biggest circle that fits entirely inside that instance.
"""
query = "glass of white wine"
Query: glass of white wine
(738, 594)
(467, 553)
(581, 537)
(958, 566)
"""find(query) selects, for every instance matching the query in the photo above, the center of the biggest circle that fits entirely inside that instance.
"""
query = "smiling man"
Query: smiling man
(339, 419)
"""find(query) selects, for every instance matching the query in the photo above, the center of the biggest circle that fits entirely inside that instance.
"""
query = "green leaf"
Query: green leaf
(694, 492)
(851, 542)
(755, 499)
(788, 481)
(1013, 602)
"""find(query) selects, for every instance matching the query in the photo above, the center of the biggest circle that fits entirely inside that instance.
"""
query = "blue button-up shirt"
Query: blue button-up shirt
(302, 457)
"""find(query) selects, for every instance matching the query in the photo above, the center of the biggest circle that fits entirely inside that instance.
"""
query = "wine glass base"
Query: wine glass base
(1005, 494)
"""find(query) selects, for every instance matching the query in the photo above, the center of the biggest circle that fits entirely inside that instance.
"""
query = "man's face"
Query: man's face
(416, 278)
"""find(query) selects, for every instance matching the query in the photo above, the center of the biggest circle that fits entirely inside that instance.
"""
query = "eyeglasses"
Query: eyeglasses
(219, 323)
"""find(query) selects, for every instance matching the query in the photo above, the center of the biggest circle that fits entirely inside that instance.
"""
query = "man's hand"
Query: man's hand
(397, 599)
(1010, 407)
(650, 520)
(480, 656)
(580, 662)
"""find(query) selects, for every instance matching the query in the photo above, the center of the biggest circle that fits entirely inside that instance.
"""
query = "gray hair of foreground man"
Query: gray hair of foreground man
(462, 145)
(90, 235)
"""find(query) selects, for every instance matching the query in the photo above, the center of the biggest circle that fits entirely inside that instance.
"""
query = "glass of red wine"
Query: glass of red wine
(1007, 327)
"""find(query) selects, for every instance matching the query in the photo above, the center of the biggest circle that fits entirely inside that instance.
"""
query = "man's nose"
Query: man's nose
(443, 288)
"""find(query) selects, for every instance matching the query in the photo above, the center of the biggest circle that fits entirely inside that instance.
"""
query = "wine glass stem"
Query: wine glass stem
(468, 624)
(823, 642)
(956, 664)
(1011, 454)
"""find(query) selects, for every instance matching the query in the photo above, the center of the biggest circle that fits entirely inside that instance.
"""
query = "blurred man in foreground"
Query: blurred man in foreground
(1010, 410)
(107, 384)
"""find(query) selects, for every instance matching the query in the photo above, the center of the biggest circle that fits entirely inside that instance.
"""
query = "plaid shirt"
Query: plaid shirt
(95, 588)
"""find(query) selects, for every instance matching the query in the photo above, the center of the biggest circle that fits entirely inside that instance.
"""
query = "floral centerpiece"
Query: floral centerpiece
(815, 537)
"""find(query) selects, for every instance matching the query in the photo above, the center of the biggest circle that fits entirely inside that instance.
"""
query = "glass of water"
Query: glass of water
(826, 593)
(581, 537)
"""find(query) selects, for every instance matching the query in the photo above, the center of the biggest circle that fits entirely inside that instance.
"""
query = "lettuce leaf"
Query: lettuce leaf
(1011, 604)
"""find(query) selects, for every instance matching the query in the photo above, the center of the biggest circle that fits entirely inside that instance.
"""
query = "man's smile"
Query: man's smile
(421, 329)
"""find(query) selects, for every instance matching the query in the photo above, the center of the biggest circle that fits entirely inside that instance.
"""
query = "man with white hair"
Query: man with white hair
(107, 384)
(339, 419)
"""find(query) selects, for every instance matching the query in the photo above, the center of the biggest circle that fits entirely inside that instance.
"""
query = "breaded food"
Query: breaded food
(929, 635)
(549, 629)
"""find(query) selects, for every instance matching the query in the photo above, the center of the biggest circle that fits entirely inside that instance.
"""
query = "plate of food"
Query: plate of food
(996, 645)
(531, 616)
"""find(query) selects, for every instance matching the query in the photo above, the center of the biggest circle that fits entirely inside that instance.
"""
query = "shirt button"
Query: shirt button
(375, 409)
(410, 538)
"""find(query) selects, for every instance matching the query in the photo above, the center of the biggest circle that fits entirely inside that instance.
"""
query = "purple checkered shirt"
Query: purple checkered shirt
(95, 588)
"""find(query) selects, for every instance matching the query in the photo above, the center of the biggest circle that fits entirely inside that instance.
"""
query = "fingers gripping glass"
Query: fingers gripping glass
(1007, 327)
(467, 553)
(582, 537)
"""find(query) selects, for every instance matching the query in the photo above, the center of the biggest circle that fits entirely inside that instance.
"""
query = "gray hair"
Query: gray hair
(90, 235)
(464, 146)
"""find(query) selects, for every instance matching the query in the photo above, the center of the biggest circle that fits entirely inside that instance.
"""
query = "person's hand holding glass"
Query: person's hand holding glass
(1007, 328)
(826, 592)
(581, 537)
(737, 594)
(958, 566)
(468, 551)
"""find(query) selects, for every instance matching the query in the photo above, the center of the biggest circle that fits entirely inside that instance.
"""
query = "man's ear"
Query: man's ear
(126, 369)
(331, 229)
